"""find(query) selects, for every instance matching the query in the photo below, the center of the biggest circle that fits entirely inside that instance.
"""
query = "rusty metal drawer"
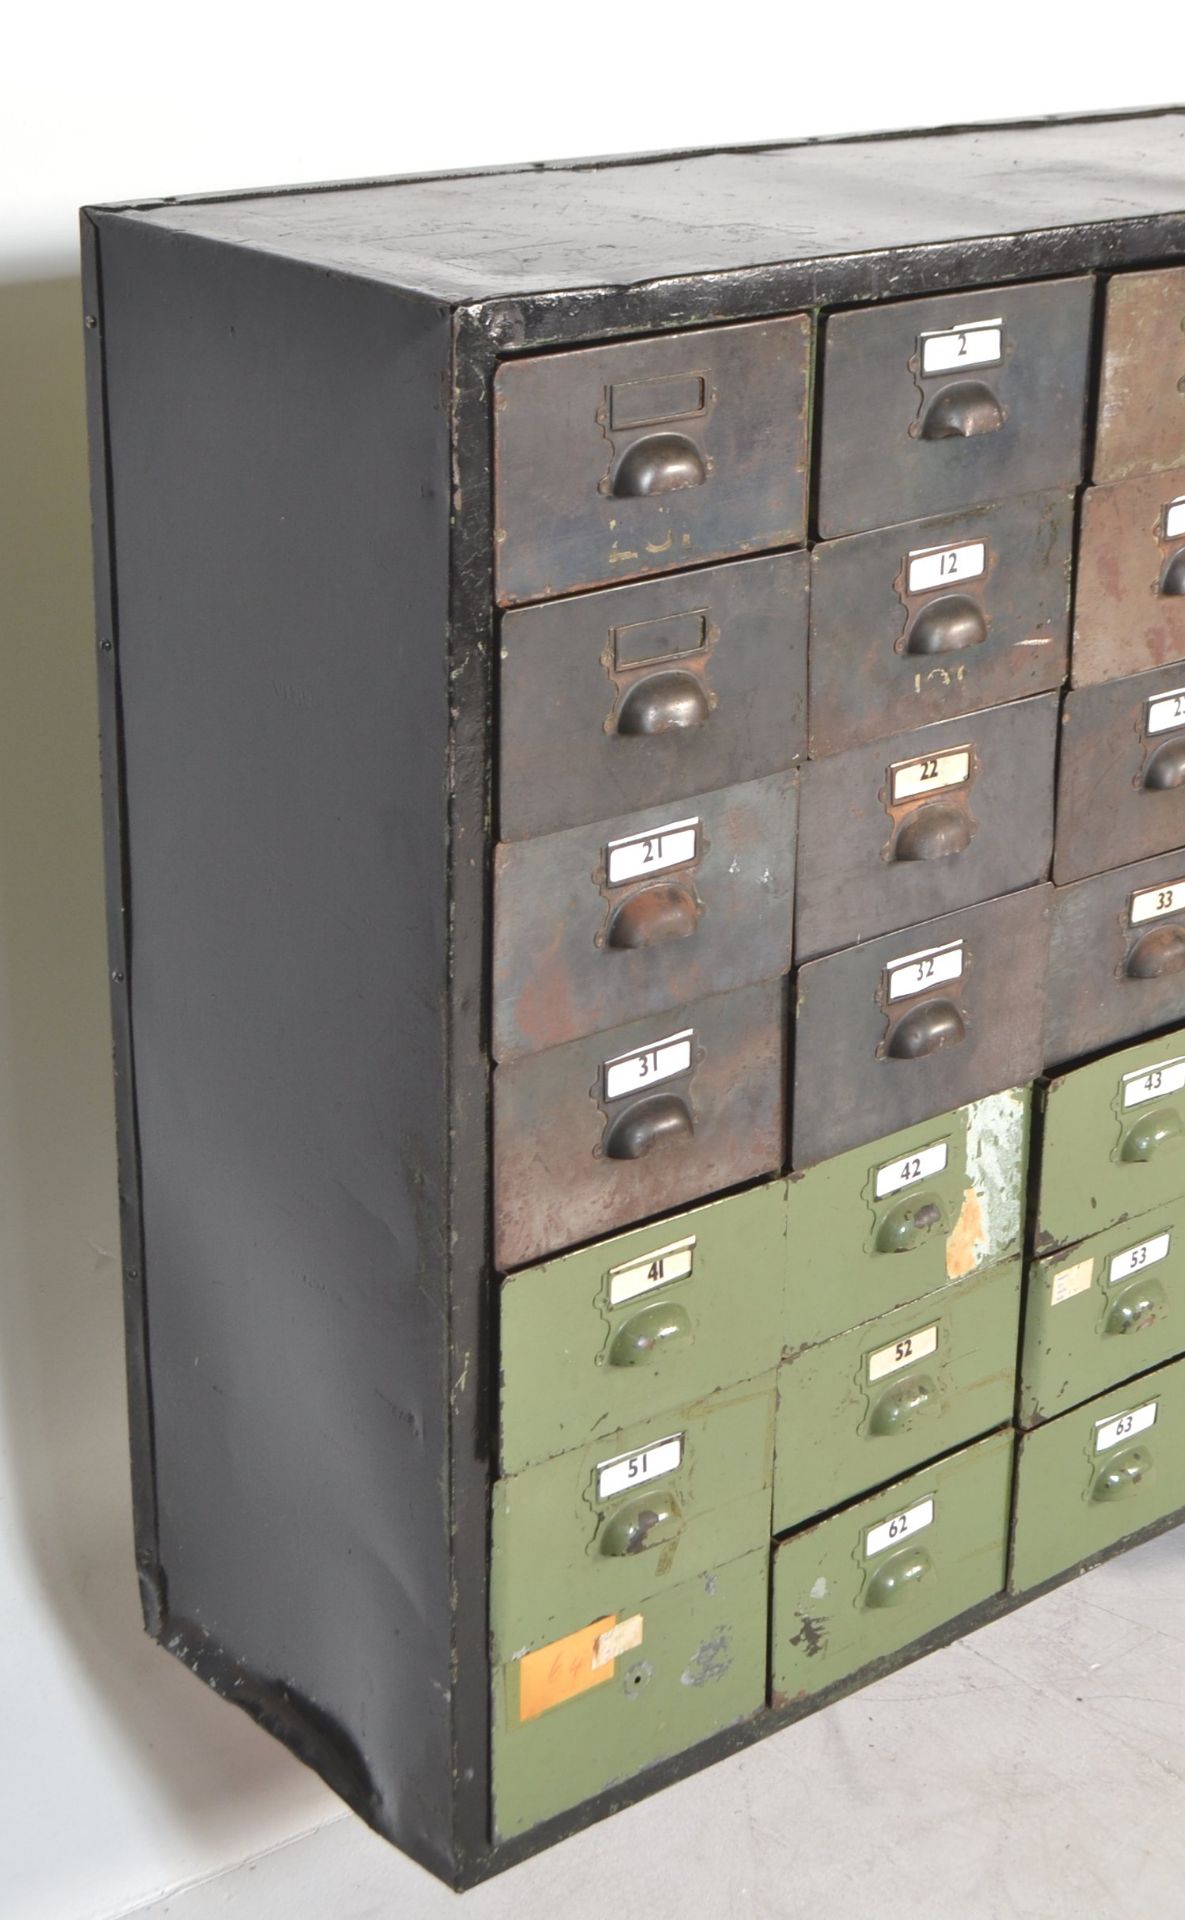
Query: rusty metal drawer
(1141, 416)
(933, 405)
(649, 693)
(1129, 605)
(1116, 957)
(902, 1028)
(1121, 774)
(591, 1136)
(915, 624)
(925, 823)
(619, 461)
(633, 916)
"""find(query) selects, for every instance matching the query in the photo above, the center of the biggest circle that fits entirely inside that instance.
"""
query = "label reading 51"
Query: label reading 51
(1168, 1076)
(634, 1469)
(900, 1527)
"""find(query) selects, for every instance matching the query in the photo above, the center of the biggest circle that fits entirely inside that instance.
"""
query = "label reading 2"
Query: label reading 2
(980, 344)
(942, 566)
(1174, 519)
(891, 1532)
(914, 1167)
(632, 1071)
(1168, 1076)
(634, 1469)
(646, 853)
(1166, 712)
(1152, 902)
(1108, 1433)
(1135, 1259)
(933, 773)
(917, 972)
(658, 1269)
(903, 1352)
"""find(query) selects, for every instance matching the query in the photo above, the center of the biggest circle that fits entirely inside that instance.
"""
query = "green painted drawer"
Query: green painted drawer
(650, 1506)
(1111, 1307)
(599, 1339)
(1113, 1140)
(869, 1581)
(872, 1404)
(573, 1718)
(889, 1222)
(1091, 1477)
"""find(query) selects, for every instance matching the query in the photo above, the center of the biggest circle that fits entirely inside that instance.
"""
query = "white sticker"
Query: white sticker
(903, 1352)
(914, 1167)
(1108, 1433)
(1166, 712)
(1069, 1281)
(645, 853)
(1135, 1259)
(891, 1532)
(1152, 1082)
(634, 1469)
(980, 344)
(933, 773)
(1154, 901)
(1174, 519)
(940, 566)
(633, 1070)
(622, 1638)
(658, 1269)
(916, 972)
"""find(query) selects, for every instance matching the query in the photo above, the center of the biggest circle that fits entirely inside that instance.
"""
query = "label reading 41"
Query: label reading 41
(657, 1269)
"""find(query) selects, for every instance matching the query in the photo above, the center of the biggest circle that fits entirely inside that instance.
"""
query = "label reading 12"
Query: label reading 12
(1135, 1259)
(1108, 1433)
(645, 853)
(933, 567)
(630, 1071)
(916, 972)
(1152, 902)
(634, 1469)
(1166, 712)
(914, 1167)
(891, 1532)
(657, 1269)
(903, 1352)
(980, 344)
(1168, 1076)
(933, 773)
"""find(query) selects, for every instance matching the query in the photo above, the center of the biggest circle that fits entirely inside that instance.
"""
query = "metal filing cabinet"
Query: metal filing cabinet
(647, 955)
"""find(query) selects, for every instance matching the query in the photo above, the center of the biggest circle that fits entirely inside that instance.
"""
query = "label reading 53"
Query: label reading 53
(1135, 1259)
(628, 1470)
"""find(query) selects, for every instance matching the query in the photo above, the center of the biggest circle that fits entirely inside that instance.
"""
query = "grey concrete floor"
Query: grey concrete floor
(1034, 1771)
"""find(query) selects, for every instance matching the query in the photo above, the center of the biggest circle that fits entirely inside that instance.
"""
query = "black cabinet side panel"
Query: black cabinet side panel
(279, 474)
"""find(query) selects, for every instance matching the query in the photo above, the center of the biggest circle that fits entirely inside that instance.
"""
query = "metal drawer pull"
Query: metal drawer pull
(962, 411)
(900, 1405)
(645, 1523)
(1141, 1306)
(950, 625)
(907, 1224)
(924, 1029)
(662, 1121)
(1155, 954)
(664, 703)
(898, 1576)
(661, 463)
(1124, 1475)
(1154, 1132)
(658, 1329)
(933, 833)
(653, 916)
(1172, 580)
(1166, 768)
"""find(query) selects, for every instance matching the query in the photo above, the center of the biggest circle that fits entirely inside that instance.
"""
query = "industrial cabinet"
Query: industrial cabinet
(644, 740)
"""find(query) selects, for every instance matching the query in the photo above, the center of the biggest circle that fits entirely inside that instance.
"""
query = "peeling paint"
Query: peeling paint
(711, 1660)
(989, 1220)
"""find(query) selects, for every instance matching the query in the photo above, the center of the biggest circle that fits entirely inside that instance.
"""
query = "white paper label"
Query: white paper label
(916, 972)
(890, 1533)
(1135, 1259)
(622, 1638)
(932, 774)
(1152, 1082)
(1154, 901)
(914, 1167)
(940, 566)
(981, 344)
(634, 1469)
(1166, 712)
(1108, 1433)
(1174, 519)
(1069, 1281)
(633, 1070)
(658, 1269)
(903, 1352)
(645, 853)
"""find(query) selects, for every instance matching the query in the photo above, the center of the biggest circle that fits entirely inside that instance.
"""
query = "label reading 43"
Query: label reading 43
(1152, 1083)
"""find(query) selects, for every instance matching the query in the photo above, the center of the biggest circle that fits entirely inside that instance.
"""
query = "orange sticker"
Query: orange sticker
(562, 1669)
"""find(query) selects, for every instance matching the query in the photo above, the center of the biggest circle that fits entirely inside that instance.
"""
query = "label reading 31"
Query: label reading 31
(917, 972)
(1168, 1076)
(980, 344)
(933, 773)
(645, 853)
(632, 1071)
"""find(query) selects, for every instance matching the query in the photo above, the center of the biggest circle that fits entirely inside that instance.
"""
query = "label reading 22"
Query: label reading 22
(933, 773)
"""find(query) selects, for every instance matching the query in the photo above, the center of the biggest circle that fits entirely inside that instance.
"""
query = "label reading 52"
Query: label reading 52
(1108, 1433)
(1151, 1083)
(916, 972)
(630, 1071)
(891, 1532)
(914, 1167)
(634, 1469)
(903, 1352)
(940, 566)
(645, 853)
(657, 1269)
(933, 773)
(979, 344)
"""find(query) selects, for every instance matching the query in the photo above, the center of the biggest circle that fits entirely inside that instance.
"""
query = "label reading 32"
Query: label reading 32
(933, 773)
(645, 853)
(628, 1470)
(630, 1072)
(941, 566)
(1168, 1076)
(979, 344)
(916, 972)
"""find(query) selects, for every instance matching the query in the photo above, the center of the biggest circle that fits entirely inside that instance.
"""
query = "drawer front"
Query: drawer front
(1116, 957)
(934, 405)
(1129, 603)
(1113, 1141)
(1090, 1478)
(1109, 1308)
(598, 1339)
(874, 1403)
(878, 1576)
(917, 624)
(1141, 414)
(1121, 774)
(650, 693)
(614, 462)
(636, 915)
(871, 1229)
(896, 1030)
(654, 1504)
(594, 1135)
(575, 1718)
(925, 823)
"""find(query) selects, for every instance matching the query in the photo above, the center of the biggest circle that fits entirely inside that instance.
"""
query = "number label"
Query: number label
(1135, 1259)
(901, 1527)
(630, 1071)
(1152, 902)
(628, 1470)
(917, 972)
(980, 344)
(1108, 1433)
(907, 1172)
(1152, 1083)
(1166, 712)
(902, 1353)
(933, 567)
(1174, 519)
(933, 773)
(656, 1269)
(645, 853)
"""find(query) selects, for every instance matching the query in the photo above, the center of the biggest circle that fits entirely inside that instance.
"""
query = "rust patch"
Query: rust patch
(966, 1237)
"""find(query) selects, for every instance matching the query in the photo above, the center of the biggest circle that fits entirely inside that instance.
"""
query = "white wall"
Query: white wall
(119, 1777)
